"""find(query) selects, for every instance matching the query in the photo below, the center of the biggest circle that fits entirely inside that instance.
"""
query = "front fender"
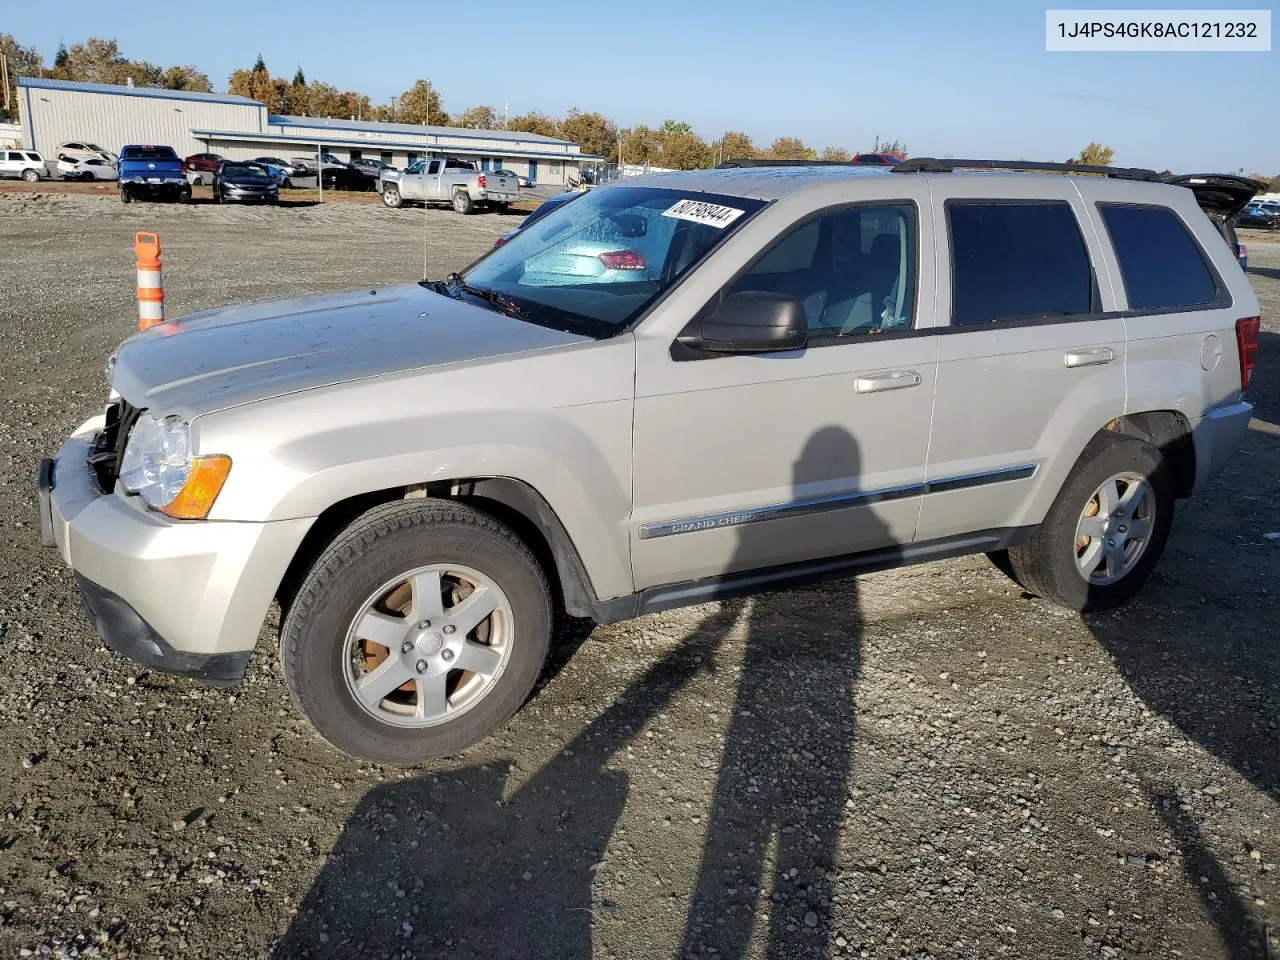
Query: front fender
(295, 456)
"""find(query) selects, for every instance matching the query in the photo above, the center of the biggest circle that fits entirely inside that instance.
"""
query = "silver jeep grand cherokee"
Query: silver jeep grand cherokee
(674, 389)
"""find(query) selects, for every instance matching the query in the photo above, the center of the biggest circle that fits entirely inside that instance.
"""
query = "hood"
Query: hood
(225, 357)
(1220, 195)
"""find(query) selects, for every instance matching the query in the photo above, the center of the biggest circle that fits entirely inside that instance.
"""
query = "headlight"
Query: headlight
(158, 466)
(157, 459)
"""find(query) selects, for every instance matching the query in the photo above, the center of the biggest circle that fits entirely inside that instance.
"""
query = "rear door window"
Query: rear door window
(1017, 260)
(1160, 262)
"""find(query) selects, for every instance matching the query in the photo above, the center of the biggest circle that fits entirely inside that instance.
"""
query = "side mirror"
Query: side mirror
(751, 322)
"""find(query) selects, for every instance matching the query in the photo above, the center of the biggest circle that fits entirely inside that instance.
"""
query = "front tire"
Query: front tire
(391, 197)
(31, 176)
(125, 196)
(1106, 529)
(419, 631)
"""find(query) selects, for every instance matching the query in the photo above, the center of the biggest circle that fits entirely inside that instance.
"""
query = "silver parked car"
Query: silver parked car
(817, 370)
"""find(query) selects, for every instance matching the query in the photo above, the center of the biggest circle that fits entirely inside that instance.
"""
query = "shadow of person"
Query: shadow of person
(782, 781)
(460, 862)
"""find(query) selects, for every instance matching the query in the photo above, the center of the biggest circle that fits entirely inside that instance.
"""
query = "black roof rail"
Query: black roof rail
(934, 165)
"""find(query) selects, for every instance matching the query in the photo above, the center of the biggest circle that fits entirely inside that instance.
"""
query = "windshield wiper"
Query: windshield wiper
(455, 286)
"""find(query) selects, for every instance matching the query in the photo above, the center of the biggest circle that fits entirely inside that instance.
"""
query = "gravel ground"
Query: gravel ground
(921, 764)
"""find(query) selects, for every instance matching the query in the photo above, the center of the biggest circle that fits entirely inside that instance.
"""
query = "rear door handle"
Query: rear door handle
(1090, 358)
(898, 380)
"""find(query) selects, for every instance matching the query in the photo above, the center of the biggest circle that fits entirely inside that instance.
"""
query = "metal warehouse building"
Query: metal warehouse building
(61, 111)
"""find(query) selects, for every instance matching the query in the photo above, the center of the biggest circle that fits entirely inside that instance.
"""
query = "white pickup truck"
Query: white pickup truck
(456, 182)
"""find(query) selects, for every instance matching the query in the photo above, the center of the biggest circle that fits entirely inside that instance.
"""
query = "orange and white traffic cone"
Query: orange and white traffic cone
(146, 246)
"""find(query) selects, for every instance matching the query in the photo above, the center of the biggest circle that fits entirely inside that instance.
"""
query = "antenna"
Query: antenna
(426, 217)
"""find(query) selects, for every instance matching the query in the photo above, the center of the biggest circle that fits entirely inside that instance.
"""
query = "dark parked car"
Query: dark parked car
(240, 181)
(347, 178)
(1258, 216)
(554, 203)
(370, 167)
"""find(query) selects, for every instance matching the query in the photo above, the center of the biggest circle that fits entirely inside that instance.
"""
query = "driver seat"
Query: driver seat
(856, 303)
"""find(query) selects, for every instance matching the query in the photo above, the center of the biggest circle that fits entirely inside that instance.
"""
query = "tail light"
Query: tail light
(623, 260)
(1247, 332)
(499, 242)
(480, 180)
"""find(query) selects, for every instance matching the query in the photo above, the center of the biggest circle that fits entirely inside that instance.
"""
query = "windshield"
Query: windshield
(244, 170)
(593, 265)
(94, 146)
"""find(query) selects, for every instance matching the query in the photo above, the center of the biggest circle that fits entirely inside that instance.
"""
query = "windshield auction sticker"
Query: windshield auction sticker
(1237, 31)
(698, 211)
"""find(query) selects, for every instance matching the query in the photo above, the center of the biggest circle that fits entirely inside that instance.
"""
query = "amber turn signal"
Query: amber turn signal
(203, 485)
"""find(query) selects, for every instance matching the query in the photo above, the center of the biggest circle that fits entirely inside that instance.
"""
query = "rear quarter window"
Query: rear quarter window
(1161, 263)
(1016, 260)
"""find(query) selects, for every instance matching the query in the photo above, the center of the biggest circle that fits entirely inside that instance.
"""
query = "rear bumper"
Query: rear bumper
(184, 596)
(1217, 436)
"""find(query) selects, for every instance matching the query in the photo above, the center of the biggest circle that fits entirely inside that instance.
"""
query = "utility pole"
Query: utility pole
(4, 78)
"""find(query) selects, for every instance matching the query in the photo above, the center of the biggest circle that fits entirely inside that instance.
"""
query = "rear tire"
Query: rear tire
(462, 202)
(1114, 511)
(324, 663)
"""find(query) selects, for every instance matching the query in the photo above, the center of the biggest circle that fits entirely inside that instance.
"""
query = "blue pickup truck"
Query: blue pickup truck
(152, 172)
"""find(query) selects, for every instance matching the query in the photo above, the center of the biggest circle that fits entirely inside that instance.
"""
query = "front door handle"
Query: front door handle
(898, 380)
(1090, 358)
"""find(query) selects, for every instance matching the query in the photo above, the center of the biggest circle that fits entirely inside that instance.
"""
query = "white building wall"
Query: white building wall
(52, 116)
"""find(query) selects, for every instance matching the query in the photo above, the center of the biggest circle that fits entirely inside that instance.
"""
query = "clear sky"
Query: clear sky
(959, 79)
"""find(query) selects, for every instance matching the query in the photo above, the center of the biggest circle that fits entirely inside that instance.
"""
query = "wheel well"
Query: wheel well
(1169, 432)
(511, 502)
